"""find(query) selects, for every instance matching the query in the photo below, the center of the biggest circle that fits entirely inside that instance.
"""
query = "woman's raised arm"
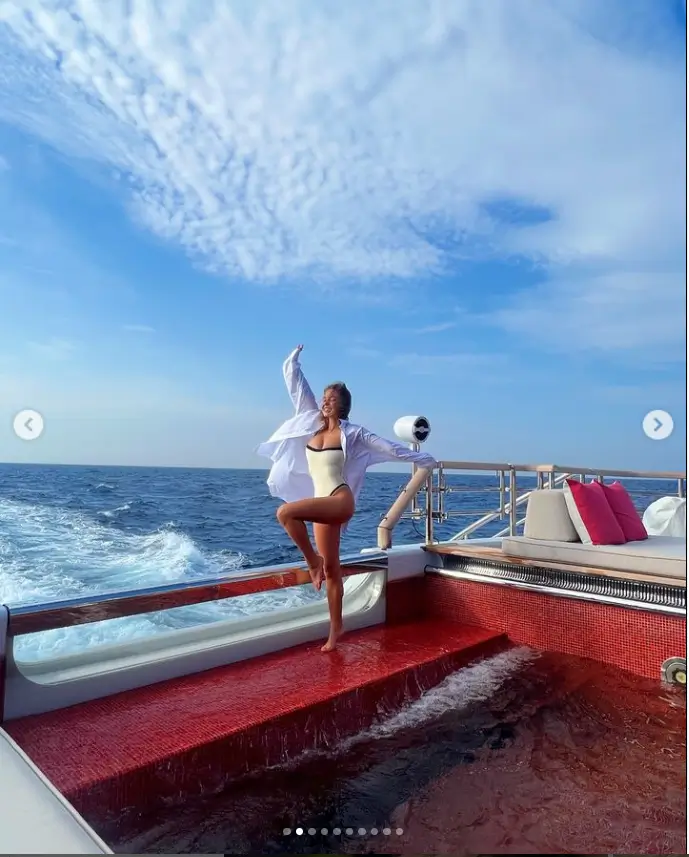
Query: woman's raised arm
(382, 449)
(297, 385)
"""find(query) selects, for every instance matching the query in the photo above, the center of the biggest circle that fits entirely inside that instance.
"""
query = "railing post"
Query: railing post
(440, 489)
(501, 476)
(389, 521)
(415, 508)
(513, 502)
(680, 488)
(429, 508)
(4, 646)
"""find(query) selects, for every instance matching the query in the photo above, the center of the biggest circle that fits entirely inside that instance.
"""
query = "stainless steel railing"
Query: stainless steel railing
(33, 618)
(542, 476)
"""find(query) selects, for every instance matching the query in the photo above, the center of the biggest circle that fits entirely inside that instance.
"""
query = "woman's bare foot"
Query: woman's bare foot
(317, 573)
(331, 643)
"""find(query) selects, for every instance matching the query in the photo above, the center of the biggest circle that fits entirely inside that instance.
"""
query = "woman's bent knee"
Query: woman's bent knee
(332, 570)
(282, 514)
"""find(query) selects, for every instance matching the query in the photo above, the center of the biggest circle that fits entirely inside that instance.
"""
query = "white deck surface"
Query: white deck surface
(34, 817)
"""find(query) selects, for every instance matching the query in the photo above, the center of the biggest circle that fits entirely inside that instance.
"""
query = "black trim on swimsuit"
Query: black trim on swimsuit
(341, 485)
(324, 448)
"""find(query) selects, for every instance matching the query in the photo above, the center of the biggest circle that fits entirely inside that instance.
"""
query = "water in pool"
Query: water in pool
(526, 752)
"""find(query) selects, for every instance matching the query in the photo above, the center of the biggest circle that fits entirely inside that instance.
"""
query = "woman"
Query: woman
(319, 463)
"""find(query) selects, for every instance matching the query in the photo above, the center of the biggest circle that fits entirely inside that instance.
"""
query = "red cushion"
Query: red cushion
(624, 510)
(593, 519)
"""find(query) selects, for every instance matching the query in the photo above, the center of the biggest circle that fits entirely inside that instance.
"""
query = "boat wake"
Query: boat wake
(49, 553)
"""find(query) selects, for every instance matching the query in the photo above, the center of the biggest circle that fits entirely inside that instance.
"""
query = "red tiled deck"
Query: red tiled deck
(192, 734)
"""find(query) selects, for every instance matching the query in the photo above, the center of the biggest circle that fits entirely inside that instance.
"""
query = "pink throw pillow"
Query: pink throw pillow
(624, 510)
(593, 519)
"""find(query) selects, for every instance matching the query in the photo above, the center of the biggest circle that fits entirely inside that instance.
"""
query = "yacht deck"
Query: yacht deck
(493, 554)
(156, 742)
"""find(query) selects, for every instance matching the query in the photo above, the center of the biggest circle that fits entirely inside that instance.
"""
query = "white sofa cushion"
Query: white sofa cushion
(667, 516)
(547, 517)
(657, 556)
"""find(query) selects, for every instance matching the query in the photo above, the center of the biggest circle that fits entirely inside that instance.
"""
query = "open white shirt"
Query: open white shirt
(289, 477)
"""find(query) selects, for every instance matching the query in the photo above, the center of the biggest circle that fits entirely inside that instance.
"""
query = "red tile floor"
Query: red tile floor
(179, 737)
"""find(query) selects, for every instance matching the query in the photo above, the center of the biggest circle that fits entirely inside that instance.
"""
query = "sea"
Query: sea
(68, 531)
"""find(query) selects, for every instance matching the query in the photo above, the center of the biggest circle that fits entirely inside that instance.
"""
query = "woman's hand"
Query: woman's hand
(300, 348)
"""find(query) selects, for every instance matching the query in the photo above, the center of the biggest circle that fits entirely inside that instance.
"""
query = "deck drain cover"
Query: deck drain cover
(674, 671)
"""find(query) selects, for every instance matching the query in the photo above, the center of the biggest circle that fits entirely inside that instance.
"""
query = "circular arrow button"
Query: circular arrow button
(658, 425)
(28, 425)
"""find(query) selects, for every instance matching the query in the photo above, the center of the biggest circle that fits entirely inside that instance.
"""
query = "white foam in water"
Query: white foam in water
(469, 685)
(48, 553)
(458, 691)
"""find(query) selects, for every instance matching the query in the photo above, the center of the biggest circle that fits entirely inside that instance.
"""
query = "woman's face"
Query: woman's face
(330, 404)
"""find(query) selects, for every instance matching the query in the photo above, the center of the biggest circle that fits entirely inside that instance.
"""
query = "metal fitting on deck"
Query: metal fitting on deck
(674, 671)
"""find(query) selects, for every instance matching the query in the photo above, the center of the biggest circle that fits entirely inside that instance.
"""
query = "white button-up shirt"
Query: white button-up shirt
(289, 477)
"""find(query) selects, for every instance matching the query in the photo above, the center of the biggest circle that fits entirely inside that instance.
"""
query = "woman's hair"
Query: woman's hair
(344, 399)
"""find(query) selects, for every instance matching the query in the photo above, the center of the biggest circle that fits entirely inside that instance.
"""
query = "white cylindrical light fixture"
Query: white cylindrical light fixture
(412, 429)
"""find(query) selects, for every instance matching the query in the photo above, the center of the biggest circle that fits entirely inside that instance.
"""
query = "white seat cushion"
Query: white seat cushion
(657, 556)
(547, 517)
(667, 516)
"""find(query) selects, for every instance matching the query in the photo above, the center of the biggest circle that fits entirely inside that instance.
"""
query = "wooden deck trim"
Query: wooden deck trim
(493, 554)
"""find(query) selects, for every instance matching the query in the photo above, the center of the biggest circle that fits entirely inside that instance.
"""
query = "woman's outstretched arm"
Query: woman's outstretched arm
(297, 385)
(382, 449)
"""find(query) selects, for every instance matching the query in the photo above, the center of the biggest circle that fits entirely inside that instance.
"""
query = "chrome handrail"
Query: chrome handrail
(506, 508)
(547, 476)
(406, 498)
(32, 618)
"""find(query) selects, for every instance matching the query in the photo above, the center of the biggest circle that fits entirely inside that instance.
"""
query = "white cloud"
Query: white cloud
(436, 328)
(80, 394)
(363, 353)
(54, 349)
(431, 364)
(624, 312)
(138, 328)
(314, 140)
(115, 419)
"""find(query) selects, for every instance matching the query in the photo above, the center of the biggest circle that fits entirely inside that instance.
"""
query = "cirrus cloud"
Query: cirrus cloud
(280, 140)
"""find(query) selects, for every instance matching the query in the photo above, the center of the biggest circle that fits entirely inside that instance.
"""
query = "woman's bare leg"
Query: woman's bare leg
(336, 509)
(328, 542)
(299, 534)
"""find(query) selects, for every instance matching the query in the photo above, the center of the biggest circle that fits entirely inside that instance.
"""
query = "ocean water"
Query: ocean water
(68, 531)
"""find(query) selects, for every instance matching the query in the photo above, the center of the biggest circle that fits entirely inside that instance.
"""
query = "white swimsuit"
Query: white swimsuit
(326, 468)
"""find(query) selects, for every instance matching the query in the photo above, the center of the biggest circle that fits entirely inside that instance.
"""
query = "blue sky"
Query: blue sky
(472, 210)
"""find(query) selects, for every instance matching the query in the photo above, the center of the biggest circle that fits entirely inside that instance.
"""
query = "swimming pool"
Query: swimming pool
(526, 752)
